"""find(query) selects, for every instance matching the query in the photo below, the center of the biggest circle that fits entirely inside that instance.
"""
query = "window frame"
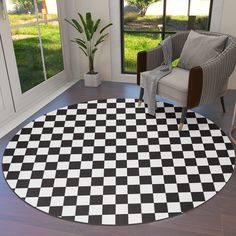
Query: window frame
(38, 22)
(45, 89)
(163, 32)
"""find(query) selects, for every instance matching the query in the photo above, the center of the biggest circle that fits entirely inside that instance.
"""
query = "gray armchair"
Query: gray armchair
(191, 88)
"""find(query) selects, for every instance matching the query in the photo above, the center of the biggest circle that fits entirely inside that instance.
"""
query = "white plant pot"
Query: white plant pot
(92, 80)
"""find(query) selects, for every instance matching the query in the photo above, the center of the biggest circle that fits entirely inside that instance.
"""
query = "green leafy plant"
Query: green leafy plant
(92, 36)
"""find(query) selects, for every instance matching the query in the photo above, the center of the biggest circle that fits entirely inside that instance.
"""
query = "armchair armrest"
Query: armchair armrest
(216, 73)
(148, 60)
(195, 87)
(209, 81)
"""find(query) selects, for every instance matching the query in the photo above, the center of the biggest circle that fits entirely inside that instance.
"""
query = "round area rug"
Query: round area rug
(108, 162)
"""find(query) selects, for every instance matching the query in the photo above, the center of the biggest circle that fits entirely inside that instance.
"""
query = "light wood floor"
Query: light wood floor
(215, 218)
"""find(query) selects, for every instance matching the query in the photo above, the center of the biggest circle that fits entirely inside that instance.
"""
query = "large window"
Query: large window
(35, 30)
(143, 26)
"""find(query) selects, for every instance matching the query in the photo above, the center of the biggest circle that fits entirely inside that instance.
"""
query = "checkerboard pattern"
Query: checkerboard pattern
(110, 163)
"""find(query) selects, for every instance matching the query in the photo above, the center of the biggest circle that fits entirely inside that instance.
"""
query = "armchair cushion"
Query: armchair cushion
(200, 48)
(175, 86)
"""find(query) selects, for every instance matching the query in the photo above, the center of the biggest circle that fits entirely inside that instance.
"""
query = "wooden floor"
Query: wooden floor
(216, 217)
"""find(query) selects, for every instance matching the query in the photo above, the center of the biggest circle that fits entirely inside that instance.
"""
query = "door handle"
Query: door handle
(2, 10)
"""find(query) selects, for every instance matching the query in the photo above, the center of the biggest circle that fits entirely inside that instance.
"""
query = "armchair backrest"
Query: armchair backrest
(179, 39)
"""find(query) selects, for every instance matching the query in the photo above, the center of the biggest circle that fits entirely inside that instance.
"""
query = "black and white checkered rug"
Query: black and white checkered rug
(109, 163)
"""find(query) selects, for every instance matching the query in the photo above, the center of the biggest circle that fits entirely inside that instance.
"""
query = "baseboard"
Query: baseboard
(20, 116)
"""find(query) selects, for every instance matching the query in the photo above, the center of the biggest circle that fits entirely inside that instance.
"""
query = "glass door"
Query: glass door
(33, 46)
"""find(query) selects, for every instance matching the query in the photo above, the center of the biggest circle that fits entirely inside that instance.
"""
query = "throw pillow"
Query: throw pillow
(199, 48)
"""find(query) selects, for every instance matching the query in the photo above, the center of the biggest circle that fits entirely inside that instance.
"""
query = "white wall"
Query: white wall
(71, 7)
(99, 9)
(216, 18)
(228, 26)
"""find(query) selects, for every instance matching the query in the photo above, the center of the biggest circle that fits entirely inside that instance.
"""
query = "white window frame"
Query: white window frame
(23, 101)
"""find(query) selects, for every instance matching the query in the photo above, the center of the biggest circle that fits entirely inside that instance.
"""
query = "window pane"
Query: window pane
(187, 14)
(200, 9)
(20, 12)
(28, 56)
(176, 15)
(144, 20)
(140, 20)
(51, 40)
(134, 43)
(47, 9)
(144, 24)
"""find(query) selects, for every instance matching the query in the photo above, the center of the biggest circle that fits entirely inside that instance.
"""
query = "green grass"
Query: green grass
(17, 19)
(148, 23)
(28, 54)
(52, 49)
(135, 43)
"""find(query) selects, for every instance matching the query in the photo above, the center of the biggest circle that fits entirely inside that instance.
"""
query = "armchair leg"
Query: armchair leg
(223, 104)
(141, 96)
(183, 117)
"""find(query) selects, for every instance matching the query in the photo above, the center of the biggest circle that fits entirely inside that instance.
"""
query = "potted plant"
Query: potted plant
(92, 35)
